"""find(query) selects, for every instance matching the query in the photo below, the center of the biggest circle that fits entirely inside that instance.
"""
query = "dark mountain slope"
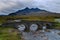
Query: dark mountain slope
(26, 11)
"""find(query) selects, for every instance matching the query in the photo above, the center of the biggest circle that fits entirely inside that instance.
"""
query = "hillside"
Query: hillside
(27, 11)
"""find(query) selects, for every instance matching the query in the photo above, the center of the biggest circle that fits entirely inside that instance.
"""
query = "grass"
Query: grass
(9, 34)
(57, 26)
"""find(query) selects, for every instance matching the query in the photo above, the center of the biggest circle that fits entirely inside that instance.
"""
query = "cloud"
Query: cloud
(9, 6)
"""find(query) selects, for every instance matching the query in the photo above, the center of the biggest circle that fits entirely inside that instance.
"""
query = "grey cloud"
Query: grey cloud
(8, 6)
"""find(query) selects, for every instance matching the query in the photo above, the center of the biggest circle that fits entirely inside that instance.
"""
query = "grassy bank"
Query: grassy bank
(57, 26)
(9, 34)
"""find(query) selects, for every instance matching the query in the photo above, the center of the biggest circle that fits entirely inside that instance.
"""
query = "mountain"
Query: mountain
(26, 11)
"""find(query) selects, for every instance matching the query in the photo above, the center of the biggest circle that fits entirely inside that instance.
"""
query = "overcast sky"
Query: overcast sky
(8, 6)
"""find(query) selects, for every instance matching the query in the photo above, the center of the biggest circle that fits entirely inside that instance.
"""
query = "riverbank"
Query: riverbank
(9, 34)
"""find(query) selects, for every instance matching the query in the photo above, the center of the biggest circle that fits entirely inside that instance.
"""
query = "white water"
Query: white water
(53, 35)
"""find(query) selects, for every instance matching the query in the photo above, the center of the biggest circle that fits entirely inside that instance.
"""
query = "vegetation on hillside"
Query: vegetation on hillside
(4, 19)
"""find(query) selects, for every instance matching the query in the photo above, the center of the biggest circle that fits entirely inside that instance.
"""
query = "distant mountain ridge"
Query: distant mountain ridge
(26, 11)
(33, 12)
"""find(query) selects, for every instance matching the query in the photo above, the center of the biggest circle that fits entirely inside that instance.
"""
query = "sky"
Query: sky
(9, 6)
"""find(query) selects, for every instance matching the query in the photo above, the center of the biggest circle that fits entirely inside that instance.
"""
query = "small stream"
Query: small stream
(39, 35)
(50, 34)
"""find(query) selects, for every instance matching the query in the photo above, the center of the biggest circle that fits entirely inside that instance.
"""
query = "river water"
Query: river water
(39, 35)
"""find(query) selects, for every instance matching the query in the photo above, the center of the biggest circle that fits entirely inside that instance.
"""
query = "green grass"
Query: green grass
(9, 34)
